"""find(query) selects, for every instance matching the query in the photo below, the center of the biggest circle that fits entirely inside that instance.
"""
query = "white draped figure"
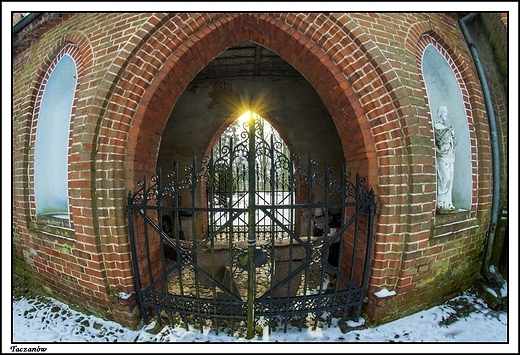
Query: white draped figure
(445, 143)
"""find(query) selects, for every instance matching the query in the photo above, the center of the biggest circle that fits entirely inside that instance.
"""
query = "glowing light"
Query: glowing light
(260, 103)
(244, 118)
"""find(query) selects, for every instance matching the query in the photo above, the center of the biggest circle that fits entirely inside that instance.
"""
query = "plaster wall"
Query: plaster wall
(292, 106)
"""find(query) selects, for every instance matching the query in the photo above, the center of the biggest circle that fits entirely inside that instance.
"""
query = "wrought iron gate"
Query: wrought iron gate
(251, 236)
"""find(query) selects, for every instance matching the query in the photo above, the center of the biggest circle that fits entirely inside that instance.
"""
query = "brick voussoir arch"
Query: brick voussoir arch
(339, 93)
(73, 45)
(76, 46)
(384, 99)
(112, 103)
(328, 78)
(187, 59)
(355, 108)
(419, 36)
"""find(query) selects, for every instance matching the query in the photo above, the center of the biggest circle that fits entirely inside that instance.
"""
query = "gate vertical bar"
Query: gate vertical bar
(133, 251)
(370, 238)
(251, 237)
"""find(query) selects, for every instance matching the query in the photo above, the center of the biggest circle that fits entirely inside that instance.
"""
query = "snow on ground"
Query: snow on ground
(43, 322)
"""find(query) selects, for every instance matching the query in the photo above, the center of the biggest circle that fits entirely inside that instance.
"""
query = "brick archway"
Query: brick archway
(187, 59)
(352, 84)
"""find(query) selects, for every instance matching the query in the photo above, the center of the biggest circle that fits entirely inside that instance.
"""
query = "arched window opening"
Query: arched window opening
(230, 187)
(52, 141)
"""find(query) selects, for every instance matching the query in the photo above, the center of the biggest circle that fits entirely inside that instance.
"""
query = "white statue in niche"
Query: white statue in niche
(445, 143)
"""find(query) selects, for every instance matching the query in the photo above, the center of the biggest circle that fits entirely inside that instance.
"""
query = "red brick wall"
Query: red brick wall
(135, 67)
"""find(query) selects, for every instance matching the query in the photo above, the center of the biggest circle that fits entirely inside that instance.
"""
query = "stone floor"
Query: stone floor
(239, 282)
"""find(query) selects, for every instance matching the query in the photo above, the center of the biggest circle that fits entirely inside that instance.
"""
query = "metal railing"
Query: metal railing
(265, 254)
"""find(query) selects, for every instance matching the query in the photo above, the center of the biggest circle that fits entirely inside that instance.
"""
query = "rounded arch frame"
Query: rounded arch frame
(74, 46)
(365, 97)
(431, 38)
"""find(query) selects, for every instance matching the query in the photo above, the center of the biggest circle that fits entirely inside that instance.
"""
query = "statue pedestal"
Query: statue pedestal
(447, 211)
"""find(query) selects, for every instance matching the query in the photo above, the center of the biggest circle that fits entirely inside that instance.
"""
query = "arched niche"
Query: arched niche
(52, 141)
(443, 90)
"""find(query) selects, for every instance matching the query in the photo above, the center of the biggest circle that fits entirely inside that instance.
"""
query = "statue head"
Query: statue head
(442, 112)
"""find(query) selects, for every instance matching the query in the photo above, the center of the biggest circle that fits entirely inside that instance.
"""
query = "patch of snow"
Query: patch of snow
(503, 290)
(124, 295)
(490, 290)
(384, 293)
(57, 326)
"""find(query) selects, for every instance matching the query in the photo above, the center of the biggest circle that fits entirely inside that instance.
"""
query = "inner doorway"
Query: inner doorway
(231, 187)
(255, 263)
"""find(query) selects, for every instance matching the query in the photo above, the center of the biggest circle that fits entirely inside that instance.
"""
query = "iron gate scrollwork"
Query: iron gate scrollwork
(251, 236)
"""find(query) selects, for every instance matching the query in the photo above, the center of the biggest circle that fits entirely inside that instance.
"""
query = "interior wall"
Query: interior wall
(292, 106)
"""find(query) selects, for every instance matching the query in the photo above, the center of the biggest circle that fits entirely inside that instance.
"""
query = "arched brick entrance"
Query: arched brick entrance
(355, 91)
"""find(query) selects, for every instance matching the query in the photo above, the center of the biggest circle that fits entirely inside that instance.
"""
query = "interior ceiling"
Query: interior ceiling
(247, 59)
(249, 69)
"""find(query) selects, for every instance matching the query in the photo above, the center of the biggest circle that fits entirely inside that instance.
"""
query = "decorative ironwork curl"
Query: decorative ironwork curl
(349, 187)
(137, 198)
(144, 193)
(203, 172)
(153, 191)
(240, 152)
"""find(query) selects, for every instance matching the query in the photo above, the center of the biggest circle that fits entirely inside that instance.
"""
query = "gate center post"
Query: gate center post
(251, 237)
